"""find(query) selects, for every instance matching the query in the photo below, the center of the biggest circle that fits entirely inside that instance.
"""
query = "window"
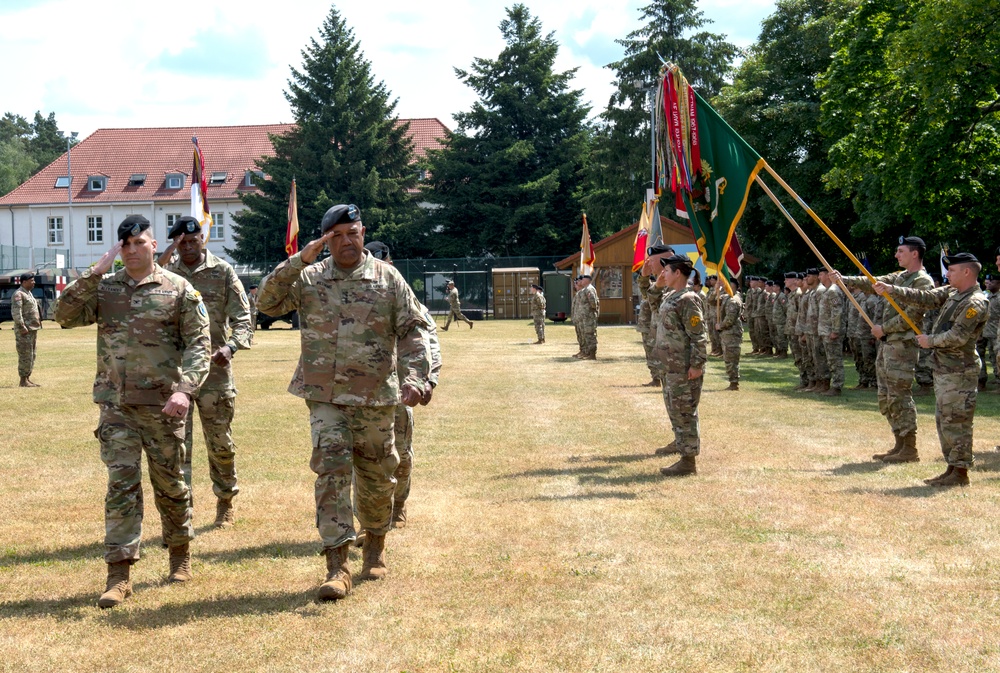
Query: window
(218, 227)
(137, 180)
(55, 231)
(97, 183)
(218, 178)
(171, 219)
(62, 181)
(611, 283)
(252, 177)
(95, 229)
(175, 181)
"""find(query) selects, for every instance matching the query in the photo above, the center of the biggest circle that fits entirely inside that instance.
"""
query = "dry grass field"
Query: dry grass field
(541, 536)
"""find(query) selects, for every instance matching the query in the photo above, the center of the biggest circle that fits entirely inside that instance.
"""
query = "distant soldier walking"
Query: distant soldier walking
(455, 307)
(538, 312)
(152, 356)
(27, 322)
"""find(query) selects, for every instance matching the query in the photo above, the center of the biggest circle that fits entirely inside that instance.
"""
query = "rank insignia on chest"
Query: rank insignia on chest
(971, 313)
(695, 319)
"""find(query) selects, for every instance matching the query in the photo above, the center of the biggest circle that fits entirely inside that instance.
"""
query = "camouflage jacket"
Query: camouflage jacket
(892, 323)
(353, 326)
(731, 311)
(152, 335)
(993, 321)
(538, 305)
(792, 313)
(228, 312)
(645, 313)
(958, 326)
(24, 311)
(801, 324)
(712, 308)
(830, 312)
(589, 304)
(453, 300)
(680, 332)
(812, 303)
(434, 348)
(758, 308)
(779, 310)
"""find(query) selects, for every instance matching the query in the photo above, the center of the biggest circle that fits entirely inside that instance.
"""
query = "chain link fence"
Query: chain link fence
(16, 257)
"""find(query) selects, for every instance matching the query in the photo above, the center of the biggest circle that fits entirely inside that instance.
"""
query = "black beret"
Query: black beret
(253, 287)
(659, 249)
(133, 225)
(184, 225)
(342, 214)
(960, 258)
(770, 282)
(990, 276)
(677, 261)
(812, 272)
(791, 274)
(585, 275)
(378, 249)
(915, 241)
(27, 275)
(537, 287)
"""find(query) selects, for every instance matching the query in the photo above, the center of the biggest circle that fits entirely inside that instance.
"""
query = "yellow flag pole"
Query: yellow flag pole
(836, 240)
(788, 216)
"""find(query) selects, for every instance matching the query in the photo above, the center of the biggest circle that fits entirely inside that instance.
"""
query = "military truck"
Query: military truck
(49, 284)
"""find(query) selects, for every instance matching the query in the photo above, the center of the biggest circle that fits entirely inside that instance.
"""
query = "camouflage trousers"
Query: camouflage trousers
(796, 347)
(894, 367)
(732, 344)
(352, 444)
(25, 345)
(821, 368)
(681, 397)
(779, 340)
(808, 365)
(404, 446)
(713, 334)
(984, 347)
(923, 373)
(216, 409)
(956, 407)
(588, 330)
(869, 352)
(125, 432)
(652, 362)
(833, 351)
(539, 327)
(579, 335)
(456, 316)
(759, 325)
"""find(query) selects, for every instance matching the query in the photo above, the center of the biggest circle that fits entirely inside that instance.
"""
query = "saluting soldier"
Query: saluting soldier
(680, 343)
(27, 322)
(230, 327)
(898, 354)
(963, 313)
(152, 356)
(538, 312)
(589, 308)
(360, 326)
(648, 307)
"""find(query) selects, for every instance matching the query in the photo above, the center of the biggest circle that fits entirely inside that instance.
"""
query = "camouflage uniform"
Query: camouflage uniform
(791, 320)
(27, 322)
(872, 304)
(991, 332)
(779, 314)
(897, 357)
(923, 373)
(713, 309)
(589, 307)
(680, 344)
(758, 320)
(252, 300)
(646, 328)
(455, 312)
(749, 308)
(731, 334)
(357, 327)
(229, 320)
(538, 314)
(960, 321)
(152, 341)
(830, 323)
(821, 367)
(802, 334)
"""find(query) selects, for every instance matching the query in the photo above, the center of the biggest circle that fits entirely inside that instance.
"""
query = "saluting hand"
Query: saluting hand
(104, 264)
(312, 249)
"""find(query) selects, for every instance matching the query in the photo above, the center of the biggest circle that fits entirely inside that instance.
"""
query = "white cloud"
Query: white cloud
(105, 68)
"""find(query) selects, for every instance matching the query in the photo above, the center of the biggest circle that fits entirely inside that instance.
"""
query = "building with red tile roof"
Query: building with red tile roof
(147, 171)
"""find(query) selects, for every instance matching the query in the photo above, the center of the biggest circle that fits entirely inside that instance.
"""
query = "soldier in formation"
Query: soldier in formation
(991, 332)
(645, 323)
(153, 346)
(361, 326)
(758, 319)
(455, 307)
(820, 381)
(230, 327)
(680, 344)
(830, 332)
(985, 343)
(730, 329)
(27, 322)
(898, 353)
(960, 322)
(794, 282)
(587, 308)
(779, 316)
(713, 311)
(538, 312)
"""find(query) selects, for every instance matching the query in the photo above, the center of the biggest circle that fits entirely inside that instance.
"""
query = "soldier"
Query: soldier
(152, 356)
(779, 315)
(730, 329)
(360, 325)
(647, 308)
(897, 356)
(923, 373)
(455, 307)
(830, 321)
(749, 307)
(712, 311)
(230, 327)
(872, 304)
(963, 313)
(574, 314)
(990, 332)
(817, 353)
(807, 284)
(758, 318)
(252, 298)
(589, 307)
(985, 344)
(27, 322)
(538, 311)
(680, 343)
(793, 284)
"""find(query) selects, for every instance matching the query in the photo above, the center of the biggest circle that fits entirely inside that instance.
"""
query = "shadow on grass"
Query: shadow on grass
(555, 472)
(605, 495)
(623, 480)
(272, 550)
(903, 492)
(93, 550)
(867, 467)
(988, 461)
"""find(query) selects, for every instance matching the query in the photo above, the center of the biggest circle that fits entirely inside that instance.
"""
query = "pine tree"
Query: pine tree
(347, 146)
(620, 170)
(509, 178)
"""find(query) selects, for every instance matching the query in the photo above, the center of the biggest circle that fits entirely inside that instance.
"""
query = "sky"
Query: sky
(126, 64)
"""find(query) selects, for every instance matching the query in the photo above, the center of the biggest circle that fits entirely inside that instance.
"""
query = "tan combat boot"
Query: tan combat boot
(908, 453)
(682, 468)
(831, 392)
(733, 385)
(338, 577)
(399, 515)
(225, 514)
(934, 480)
(668, 450)
(373, 555)
(180, 563)
(893, 451)
(822, 386)
(959, 477)
(119, 585)
(653, 383)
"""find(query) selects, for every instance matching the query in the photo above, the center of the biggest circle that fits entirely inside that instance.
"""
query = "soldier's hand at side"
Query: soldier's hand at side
(313, 248)
(695, 373)
(924, 340)
(881, 288)
(222, 356)
(177, 406)
(878, 332)
(104, 264)
(410, 396)
(428, 393)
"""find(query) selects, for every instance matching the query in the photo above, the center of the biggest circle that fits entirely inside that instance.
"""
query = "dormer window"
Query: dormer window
(97, 183)
(137, 180)
(175, 181)
(252, 178)
(218, 178)
(62, 181)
